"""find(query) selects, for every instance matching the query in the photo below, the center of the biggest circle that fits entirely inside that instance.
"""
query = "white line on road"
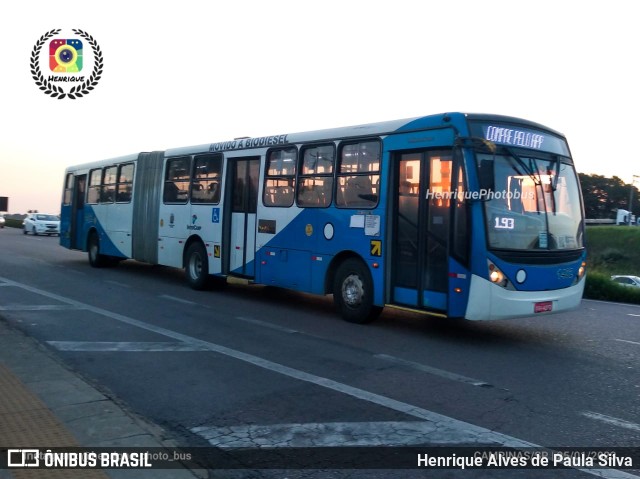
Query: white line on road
(39, 307)
(178, 300)
(631, 314)
(627, 341)
(266, 324)
(124, 346)
(435, 371)
(442, 423)
(612, 420)
(117, 283)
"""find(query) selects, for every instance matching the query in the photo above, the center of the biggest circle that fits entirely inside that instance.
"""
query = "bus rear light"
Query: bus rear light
(457, 290)
(375, 265)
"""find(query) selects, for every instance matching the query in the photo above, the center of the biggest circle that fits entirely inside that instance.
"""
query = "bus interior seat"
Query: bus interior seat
(278, 196)
(282, 196)
(106, 196)
(309, 196)
(214, 191)
(358, 191)
(170, 194)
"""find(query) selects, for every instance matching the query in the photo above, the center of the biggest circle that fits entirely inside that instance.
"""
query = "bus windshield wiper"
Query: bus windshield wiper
(554, 181)
(527, 168)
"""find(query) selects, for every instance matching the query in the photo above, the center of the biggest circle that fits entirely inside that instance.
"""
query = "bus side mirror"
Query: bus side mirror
(486, 175)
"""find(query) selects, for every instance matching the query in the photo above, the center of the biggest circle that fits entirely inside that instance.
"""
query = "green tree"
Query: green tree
(604, 196)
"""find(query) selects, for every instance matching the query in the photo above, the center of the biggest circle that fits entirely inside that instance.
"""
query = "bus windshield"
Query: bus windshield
(530, 202)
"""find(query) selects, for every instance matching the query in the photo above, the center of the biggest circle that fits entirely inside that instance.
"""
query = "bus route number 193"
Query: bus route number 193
(504, 223)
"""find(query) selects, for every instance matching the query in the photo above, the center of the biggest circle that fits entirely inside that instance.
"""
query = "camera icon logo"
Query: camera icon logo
(65, 55)
(23, 458)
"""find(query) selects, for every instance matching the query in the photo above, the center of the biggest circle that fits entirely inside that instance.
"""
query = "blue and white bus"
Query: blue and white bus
(456, 215)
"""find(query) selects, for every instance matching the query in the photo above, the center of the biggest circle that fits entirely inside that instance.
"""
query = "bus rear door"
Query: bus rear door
(76, 219)
(241, 205)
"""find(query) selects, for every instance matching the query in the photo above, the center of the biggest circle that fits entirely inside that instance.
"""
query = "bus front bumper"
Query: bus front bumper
(489, 301)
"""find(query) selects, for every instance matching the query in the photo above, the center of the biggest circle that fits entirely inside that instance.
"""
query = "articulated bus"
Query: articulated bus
(456, 215)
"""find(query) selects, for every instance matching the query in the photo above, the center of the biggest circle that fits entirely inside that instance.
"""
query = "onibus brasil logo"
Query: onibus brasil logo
(66, 73)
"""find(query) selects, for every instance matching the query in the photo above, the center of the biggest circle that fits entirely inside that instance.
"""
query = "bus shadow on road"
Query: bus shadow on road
(271, 300)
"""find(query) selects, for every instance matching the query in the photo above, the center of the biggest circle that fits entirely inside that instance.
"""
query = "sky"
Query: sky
(194, 72)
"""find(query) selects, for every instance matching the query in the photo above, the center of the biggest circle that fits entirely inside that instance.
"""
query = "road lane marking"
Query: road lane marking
(124, 346)
(435, 371)
(369, 434)
(117, 283)
(446, 426)
(266, 324)
(483, 435)
(39, 307)
(631, 314)
(612, 420)
(627, 341)
(178, 300)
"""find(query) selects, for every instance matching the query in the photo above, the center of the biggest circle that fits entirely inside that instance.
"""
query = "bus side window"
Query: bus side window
(108, 190)
(359, 175)
(205, 186)
(124, 187)
(315, 183)
(95, 177)
(68, 189)
(177, 176)
(280, 178)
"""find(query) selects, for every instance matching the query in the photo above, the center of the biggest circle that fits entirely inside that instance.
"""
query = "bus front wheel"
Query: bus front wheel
(353, 292)
(197, 266)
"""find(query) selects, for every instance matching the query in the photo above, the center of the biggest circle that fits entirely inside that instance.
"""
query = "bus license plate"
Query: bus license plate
(543, 307)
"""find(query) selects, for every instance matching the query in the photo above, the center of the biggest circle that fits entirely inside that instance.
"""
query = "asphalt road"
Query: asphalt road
(253, 366)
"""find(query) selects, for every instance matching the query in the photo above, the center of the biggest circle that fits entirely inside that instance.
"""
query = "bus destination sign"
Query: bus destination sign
(511, 136)
(520, 137)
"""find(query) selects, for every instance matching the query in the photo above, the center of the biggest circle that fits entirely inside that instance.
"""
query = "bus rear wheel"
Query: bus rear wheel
(96, 259)
(196, 266)
(353, 292)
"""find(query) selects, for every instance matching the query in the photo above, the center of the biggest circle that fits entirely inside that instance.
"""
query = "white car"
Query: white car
(626, 280)
(2, 221)
(41, 224)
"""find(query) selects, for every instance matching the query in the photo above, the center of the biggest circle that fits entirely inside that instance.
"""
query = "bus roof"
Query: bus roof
(456, 120)
(103, 163)
(442, 120)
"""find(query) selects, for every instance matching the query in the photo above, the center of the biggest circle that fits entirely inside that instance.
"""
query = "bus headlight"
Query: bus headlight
(496, 276)
(581, 270)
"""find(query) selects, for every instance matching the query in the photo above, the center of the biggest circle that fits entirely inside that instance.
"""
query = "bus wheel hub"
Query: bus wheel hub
(352, 291)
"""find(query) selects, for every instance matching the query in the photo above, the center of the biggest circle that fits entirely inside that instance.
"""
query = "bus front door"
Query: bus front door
(419, 260)
(242, 203)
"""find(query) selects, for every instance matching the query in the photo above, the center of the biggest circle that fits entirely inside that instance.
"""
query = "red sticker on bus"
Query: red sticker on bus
(543, 307)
